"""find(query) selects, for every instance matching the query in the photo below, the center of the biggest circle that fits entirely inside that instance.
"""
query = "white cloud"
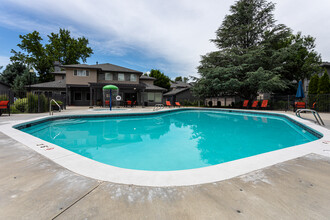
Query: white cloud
(177, 32)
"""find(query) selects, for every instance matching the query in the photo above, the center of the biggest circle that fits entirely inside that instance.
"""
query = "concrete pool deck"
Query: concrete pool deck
(34, 187)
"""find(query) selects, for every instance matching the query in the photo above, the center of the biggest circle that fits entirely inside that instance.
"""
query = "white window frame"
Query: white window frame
(133, 77)
(123, 75)
(109, 78)
(83, 73)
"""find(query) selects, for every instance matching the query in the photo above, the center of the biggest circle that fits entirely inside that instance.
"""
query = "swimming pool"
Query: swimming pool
(108, 110)
(171, 141)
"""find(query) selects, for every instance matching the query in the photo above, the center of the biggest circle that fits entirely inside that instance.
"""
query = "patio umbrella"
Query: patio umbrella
(300, 91)
(110, 87)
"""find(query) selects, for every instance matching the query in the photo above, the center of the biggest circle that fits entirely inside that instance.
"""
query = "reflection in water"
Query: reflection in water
(173, 141)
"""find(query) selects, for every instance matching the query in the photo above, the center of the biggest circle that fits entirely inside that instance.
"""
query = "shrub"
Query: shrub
(43, 103)
(189, 103)
(32, 103)
(13, 110)
(4, 98)
(21, 105)
(280, 105)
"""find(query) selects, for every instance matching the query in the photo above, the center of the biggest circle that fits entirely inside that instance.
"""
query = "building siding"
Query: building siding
(101, 79)
(81, 80)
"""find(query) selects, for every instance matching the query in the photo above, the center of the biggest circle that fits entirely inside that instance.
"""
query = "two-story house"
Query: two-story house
(82, 84)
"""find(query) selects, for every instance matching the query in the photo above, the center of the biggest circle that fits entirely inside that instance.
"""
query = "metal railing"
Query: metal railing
(158, 107)
(315, 113)
(50, 106)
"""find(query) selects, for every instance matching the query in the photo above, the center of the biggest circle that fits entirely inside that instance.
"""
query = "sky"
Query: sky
(142, 35)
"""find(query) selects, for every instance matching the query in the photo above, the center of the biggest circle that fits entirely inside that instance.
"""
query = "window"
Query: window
(77, 96)
(121, 77)
(81, 72)
(63, 77)
(158, 97)
(133, 78)
(108, 76)
(153, 96)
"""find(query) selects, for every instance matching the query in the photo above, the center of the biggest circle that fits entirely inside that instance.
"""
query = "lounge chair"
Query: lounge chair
(177, 104)
(255, 104)
(245, 103)
(264, 104)
(299, 105)
(168, 103)
(313, 106)
(4, 105)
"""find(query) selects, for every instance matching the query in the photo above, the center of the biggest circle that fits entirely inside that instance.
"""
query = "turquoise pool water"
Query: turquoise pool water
(172, 141)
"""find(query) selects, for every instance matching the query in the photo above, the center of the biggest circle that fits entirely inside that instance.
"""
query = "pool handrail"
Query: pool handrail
(50, 106)
(315, 114)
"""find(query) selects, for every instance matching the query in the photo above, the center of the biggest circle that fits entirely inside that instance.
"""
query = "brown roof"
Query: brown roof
(5, 84)
(60, 84)
(175, 91)
(179, 84)
(147, 77)
(153, 87)
(104, 67)
(324, 64)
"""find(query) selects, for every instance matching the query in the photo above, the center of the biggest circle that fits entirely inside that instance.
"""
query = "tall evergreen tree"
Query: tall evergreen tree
(313, 85)
(12, 71)
(324, 84)
(252, 54)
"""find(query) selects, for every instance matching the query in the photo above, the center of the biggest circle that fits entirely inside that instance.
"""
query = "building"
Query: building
(180, 92)
(4, 87)
(82, 84)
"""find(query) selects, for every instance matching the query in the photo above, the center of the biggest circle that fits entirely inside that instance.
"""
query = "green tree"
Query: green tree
(299, 58)
(64, 48)
(178, 78)
(246, 62)
(324, 84)
(252, 54)
(161, 79)
(12, 71)
(22, 82)
(61, 47)
(313, 85)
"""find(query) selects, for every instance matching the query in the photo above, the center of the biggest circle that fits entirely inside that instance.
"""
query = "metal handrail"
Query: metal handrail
(50, 106)
(315, 113)
(158, 107)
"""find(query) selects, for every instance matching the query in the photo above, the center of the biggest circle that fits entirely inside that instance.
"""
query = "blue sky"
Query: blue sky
(167, 35)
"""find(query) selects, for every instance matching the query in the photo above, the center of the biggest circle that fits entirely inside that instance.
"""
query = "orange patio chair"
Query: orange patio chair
(264, 104)
(299, 105)
(255, 104)
(168, 103)
(4, 105)
(177, 104)
(245, 103)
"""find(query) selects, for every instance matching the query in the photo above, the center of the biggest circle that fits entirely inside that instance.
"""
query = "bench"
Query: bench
(4, 105)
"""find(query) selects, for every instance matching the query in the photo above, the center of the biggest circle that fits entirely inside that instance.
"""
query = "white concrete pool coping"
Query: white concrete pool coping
(90, 168)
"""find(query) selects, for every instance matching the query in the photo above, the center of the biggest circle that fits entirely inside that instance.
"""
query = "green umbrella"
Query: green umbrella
(110, 87)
